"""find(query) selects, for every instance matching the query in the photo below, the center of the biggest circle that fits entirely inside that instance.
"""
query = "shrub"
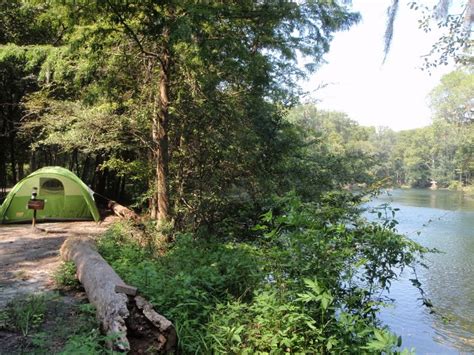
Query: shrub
(455, 185)
(311, 281)
(65, 275)
(189, 280)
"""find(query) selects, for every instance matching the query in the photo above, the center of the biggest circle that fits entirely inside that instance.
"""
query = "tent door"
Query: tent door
(52, 191)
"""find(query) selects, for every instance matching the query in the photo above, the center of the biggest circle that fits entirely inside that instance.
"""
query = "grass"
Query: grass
(50, 323)
(53, 322)
(24, 314)
(65, 275)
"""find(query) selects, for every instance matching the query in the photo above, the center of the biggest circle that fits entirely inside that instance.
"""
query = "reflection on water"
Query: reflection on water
(440, 199)
(442, 220)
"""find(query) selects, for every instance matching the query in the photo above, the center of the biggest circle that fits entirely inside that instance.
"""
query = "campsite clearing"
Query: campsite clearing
(28, 259)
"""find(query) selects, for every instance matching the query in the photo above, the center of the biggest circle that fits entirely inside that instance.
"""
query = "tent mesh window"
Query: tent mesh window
(50, 186)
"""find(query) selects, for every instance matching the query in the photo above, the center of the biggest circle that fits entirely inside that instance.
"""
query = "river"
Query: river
(442, 220)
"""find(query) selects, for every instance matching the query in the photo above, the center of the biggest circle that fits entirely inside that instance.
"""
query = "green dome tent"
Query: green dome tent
(66, 197)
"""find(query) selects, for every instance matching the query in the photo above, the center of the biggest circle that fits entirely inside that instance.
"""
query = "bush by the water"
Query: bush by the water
(310, 281)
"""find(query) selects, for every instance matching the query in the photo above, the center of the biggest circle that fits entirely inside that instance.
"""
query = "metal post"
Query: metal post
(34, 193)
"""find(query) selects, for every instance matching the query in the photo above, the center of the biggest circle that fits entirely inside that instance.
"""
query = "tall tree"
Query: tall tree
(219, 50)
(453, 121)
(26, 30)
(453, 99)
(201, 86)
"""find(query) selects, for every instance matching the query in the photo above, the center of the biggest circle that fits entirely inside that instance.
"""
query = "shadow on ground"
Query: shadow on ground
(28, 258)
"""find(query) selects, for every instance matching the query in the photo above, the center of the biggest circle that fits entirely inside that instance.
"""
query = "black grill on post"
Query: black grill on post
(35, 204)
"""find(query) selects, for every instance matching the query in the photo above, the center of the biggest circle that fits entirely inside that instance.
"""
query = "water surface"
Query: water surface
(442, 220)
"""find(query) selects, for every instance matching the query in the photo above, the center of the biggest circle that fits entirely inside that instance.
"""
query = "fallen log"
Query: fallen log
(138, 232)
(130, 319)
(123, 212)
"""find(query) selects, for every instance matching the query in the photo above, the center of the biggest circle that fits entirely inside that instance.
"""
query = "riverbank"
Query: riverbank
(467, 190)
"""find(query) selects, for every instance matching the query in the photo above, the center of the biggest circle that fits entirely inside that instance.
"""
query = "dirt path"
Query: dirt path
(28, 259)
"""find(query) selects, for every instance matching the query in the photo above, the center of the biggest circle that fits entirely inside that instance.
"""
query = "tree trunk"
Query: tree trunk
(130, 320)
(13, 156)
(85, 170)
(102, 182)
(160, 133)
(32, 162)
(73, 162)
(21, 171)
(122, 188)
(3, 167)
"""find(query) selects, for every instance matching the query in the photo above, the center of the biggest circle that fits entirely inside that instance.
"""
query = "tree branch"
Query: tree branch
(132, 34)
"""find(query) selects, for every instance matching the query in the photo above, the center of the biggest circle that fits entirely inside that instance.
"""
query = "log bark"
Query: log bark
(130, 320)
(123, 212)
(139, 231)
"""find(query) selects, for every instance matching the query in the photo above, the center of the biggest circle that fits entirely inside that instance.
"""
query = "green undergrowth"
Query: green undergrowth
(24, 314)
(311, 281)
(189, 281)
(50, 323)
(65, 275)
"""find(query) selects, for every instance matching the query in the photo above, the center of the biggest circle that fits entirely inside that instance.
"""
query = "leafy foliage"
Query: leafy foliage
(25, 313)
(230, 76)
(65, 275)
(310, 281)
(442, 152)
(49, 324)
(338, 151)
(349, 153)
(455, 42)
(186, 283)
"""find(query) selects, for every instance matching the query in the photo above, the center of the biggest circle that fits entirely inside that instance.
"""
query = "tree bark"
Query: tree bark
(129, 320)
(3, 167)
(21, 170)
(160, 132)
(159, 202)
(13, 154)
(123, 212)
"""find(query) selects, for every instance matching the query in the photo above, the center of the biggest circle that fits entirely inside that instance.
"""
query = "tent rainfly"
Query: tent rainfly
(66, 197)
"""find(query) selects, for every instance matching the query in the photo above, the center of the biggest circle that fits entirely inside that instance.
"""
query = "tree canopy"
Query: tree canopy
(173, 93)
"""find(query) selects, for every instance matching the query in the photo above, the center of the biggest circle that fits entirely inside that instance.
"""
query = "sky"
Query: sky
(393, 94)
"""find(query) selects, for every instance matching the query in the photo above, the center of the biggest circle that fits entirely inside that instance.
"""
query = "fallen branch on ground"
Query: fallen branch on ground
(139, 231)
(123, 212)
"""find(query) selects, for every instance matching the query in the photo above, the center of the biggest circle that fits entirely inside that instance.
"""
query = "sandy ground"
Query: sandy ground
(29, 258)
